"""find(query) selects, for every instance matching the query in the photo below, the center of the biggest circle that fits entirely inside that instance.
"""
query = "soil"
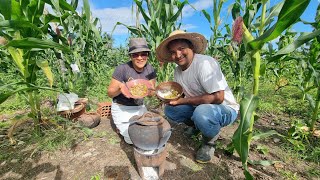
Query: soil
(106, 156)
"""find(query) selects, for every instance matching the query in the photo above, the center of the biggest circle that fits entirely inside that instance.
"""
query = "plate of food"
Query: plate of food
(138, 88)
(167, 91)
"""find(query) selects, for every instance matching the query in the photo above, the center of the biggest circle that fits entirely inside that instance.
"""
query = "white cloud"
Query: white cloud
(188, 27)
(188, 11)
(110, 16)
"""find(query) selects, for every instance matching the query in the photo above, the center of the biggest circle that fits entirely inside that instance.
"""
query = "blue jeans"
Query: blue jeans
(208, 118)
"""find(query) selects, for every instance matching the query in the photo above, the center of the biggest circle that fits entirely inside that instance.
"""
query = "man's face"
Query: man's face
(181, 53)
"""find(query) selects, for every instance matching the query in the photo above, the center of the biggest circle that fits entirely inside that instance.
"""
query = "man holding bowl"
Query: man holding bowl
(208, 104)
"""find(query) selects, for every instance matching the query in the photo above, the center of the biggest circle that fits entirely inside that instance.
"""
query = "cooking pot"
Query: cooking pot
(149, 131)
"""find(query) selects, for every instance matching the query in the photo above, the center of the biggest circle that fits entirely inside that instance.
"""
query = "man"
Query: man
(208, 104)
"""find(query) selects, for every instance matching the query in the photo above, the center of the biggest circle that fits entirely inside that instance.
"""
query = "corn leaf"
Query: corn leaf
(5, 9)
(242, 137)
(29, 43)
(87, 12)
(52, 18)
(74, 4)
(16, 55)
(62, 4)
(44, 65)
(207, 16)
(265, 135)
(304, 38)
(5, 96)
(289, 14)
(18, 24)
(16, 11)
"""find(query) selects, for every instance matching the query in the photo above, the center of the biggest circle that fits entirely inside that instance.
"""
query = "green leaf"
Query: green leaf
(5, 8)
(207, 15)
(289, 14)
(18, 24)
(44, 65)
(304, 38)
(62, 4)
(87, 12)
(17, 56)
(265, 135)
(273, 12)
(242, 137)
(29, 43)
(5, 96)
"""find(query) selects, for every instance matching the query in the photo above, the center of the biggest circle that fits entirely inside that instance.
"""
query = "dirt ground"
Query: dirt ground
(106, 156)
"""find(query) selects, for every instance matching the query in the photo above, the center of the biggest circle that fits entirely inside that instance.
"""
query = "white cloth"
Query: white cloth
(66, 101)
(203, 76)
(121, 115)
(75, 68)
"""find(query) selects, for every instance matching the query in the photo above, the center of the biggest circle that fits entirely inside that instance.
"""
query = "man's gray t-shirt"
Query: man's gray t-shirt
(126, 72)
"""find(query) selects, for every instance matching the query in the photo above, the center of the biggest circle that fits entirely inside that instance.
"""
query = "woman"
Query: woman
(123, 107)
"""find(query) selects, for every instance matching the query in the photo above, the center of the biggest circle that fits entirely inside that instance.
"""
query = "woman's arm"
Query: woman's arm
(114, 88)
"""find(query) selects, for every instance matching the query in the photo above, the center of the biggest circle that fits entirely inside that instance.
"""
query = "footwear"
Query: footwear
(205, 153)
(190, 131)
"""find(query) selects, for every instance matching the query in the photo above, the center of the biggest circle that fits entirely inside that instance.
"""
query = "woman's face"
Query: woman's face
(139, 60)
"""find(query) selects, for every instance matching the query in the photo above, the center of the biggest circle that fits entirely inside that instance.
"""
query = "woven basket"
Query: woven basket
(79, 109)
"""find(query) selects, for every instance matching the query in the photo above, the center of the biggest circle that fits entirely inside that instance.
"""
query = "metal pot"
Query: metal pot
(149, 131)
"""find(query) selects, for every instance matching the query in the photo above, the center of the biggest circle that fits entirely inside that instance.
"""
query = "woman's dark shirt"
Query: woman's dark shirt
(126, 72)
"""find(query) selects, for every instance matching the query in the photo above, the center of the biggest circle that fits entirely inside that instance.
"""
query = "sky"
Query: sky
(112, 11)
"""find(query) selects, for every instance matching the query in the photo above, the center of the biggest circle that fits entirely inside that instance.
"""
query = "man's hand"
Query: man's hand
(176, 102)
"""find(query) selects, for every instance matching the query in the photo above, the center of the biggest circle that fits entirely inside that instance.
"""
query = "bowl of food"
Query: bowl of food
(138, 88)
(168, 91)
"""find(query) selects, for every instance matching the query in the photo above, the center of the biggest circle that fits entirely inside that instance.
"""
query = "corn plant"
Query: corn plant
(25, 28)
(290, 11)
(160, 19)
(224, 49)
(309, 68)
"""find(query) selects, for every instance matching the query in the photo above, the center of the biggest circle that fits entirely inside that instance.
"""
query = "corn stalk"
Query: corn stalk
(25, 28)
(289, 14)
(161, 19)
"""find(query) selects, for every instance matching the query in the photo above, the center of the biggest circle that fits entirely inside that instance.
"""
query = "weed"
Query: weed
(289, 175)
(96, 177)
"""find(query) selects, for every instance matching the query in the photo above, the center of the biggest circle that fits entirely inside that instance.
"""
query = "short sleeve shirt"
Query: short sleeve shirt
(126, 72)
(203, 76)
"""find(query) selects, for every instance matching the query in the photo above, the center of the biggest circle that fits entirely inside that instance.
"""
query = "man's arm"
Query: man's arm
(213, 98)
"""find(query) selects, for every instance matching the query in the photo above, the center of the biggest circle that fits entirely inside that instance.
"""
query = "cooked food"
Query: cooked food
(168, 94)
(139, 90)
(173, 94)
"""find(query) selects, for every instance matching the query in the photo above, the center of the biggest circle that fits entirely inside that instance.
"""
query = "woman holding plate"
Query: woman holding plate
(124, 106)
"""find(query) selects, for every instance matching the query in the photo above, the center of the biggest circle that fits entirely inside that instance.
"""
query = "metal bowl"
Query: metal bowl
(165, 89)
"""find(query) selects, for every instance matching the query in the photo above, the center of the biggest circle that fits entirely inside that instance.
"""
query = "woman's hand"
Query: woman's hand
(124, 90)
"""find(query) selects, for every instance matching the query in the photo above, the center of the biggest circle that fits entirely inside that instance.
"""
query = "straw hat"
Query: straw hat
(138, 45)
(198, 41)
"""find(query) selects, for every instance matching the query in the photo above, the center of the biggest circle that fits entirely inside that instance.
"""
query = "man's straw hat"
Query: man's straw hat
(198, 41)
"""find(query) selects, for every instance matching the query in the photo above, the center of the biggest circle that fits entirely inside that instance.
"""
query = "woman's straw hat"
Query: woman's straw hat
(198, 41)
(138, 45)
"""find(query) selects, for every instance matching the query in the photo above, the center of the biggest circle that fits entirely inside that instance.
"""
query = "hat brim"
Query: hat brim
(139, 50)
(198, 41)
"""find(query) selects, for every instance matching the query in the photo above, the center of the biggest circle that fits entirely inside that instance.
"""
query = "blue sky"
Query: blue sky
(112, 11)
